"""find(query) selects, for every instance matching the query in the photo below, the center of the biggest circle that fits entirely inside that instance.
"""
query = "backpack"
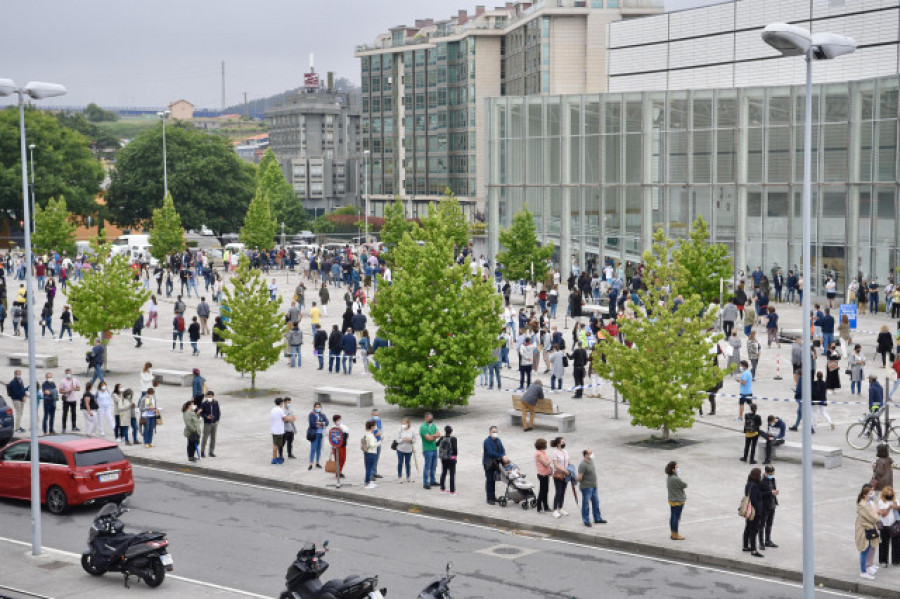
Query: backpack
(179, 323)
(445, 447)
(745, 510)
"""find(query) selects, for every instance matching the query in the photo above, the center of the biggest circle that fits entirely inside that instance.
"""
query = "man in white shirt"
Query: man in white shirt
(278, 418)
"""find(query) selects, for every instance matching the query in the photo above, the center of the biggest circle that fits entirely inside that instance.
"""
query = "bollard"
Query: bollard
(777, 367)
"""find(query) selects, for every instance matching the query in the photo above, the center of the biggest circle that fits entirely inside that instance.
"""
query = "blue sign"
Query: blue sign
(335, 437)
(851, 311)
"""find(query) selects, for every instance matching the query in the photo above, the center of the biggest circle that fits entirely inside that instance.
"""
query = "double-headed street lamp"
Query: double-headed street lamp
(163, 116)
(35, 90)
(31, 155)
(791, 40)
(366, 168)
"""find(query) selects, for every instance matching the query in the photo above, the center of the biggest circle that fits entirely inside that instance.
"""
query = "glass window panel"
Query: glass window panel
(701, 171)
(677, 147)
(865, 154)
(535, 165)
(553, 124)
(779, 110)
(702, 112)
(573, 105)
(798, 153)
(779, 157)
(887, 103)
(702, 201)
(633, 158)
(591, 214)
(725, 198)
(575, 213)
(777, 214)
(837, 103)
(886, 138)
(612, 158)
(726, 109)
(832, 225)
(677, 115)
(755, 109)
(677, 209)
(754, 155)
(555, 202)
(884, 224)
(725, 155)
(633, 209)
(553, 156)
(612, 122)
(574, 172)
(754, 215)
(834, 204)
(591, 117)
(864, 222)
(535, 118)
(835, 142)
(516, 120)
(592, 159)
(886, 204)
(633, 112)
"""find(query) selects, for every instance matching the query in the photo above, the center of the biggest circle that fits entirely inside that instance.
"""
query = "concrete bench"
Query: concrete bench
(181, 378)
(357, 397)
(545, 414)
(787, 335)
(40, 360)
(832, 456)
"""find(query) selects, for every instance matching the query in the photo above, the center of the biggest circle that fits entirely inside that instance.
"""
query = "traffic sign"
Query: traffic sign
(851, 311)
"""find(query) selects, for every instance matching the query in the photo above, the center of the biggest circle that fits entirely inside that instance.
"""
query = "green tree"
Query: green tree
(166, 232)
(106, 301)
(442, 323)
(95, 114)
(395, 224)
(664, 388)
(259, 226)
(521, 250)
(351, 210)
(98, 139)
(322, 225)
(286, 206)
(63, 164)
(446, 222)
(702, 263)
(253, 339)
(212, 185)
(53, 228)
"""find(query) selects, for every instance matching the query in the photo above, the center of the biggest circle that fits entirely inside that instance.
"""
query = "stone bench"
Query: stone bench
(357, 397)
(832, 456)
(787, 335)
(181, 378)
(40, 360)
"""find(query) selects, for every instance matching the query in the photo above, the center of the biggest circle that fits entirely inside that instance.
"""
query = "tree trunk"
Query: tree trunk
(253, 380)
(665, 433)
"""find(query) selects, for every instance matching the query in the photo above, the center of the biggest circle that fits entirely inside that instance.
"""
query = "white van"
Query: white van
(136, 247)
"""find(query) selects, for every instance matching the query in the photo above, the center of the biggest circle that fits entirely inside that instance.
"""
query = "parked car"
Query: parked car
(75, 470)
(6, 422)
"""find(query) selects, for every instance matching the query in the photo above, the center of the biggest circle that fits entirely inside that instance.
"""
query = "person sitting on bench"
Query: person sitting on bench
(774, 435)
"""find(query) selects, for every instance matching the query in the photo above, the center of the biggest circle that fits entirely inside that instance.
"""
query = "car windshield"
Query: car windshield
(96, 457)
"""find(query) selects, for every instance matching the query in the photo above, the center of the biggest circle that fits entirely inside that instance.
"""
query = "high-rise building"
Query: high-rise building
(424, 88)
(315, 137)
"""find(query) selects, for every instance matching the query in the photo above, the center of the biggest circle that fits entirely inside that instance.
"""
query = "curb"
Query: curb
(634, 547)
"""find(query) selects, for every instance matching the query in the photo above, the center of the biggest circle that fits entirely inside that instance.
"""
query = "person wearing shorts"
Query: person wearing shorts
(746, 390)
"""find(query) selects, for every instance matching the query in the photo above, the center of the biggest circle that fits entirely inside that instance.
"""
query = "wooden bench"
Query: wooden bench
(357, 397)
(832, 456)
(545, 414)
(182, 378)
(41, 360)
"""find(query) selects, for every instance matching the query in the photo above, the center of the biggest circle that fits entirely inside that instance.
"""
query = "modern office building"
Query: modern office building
(602, 171)
(315, 136)
(424, 88)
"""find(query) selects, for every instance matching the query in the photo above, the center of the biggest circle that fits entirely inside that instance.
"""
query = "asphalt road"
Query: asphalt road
(244, 537)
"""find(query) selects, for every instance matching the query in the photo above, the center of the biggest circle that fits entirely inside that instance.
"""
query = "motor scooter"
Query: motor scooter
(439, 589)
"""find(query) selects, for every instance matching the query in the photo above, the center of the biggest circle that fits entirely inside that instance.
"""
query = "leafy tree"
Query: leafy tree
(351, 210)
(212, 184)
(259, 226)
(522, 249)
(253, 338)
(703, 263)
(322, 225)
(53, 228)
(395, 224)
(63, 163)
(664, 388)
(97, 137)
(166, 232)
(442, 323)
(95, 114)
(106, 302)
(286, 206)
(446, 222)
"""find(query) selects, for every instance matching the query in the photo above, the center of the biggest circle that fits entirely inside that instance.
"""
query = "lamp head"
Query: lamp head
(31, 146)
(790, 40)
(831, 45)
(39, 90)
(7, 87)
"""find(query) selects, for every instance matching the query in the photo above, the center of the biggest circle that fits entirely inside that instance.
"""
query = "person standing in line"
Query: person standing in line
(857, 361)
(882, 469)
(379, 436)
(492, 453)
(17, 393)
(820, 400)
(370, 453)
(677, 498)
(317, 421)
(769, 501)
(178, 332)
(543, 466)
(560, 472)
(320, 339)
(89, 411)
(587, 479)
(342, 449)
(429, 433)
(191, 429)
(49, 397)
(198, 384)
(833, 369)
(749, 318)
(887, 506)
(579, 362)
(146, 379)
(119, 414)
(751, 521)
(884, 344)
(752, 424)
(295, 342)
(315, 317)
(98, 354)
(866, 524)
(772, 328)
(447, 453)
(276, 428)
(127, 416)
(746, 389)
(194, 335)
(105, 409)
(334, 349)
(729, 316)
(406, 440)
(211, 413)
(526, 361)
(753, 351)
(203, 314)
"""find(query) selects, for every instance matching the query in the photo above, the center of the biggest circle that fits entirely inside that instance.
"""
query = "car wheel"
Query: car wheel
(57, 502)
(156, 573)
(88, 564)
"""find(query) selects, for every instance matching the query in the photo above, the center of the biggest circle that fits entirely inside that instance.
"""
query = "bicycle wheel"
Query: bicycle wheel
(858, 437)
(893, 439)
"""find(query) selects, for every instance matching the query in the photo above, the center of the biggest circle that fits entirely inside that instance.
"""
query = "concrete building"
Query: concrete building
(251, 149)
(316, 137)
(424, 88)
(602, 171)
(181, 110)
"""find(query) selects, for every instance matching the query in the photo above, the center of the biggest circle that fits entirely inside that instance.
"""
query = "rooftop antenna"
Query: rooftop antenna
(223, 86)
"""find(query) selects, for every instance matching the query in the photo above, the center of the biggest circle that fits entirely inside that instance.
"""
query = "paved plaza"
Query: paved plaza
(632, 482)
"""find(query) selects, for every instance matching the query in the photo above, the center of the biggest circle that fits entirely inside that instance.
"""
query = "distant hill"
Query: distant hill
(260, 105)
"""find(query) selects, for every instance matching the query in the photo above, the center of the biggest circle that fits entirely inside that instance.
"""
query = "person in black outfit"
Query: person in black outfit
(579, 360)
(751, 525)
(218, 327)
(774, 435)
(334, 350)
(447, 454)
(493, 452)
(752, 424)
(769, 497)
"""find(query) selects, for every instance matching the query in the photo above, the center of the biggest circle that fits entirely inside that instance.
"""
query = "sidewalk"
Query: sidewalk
(632, 481)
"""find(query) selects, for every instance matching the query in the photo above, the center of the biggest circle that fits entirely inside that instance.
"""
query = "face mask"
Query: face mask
(68, 376)
(405, 427)
(590, 456)
(494, 435)
(872, 495)
(770, 476)
(562, 445)
(678, 471)
(318, 410)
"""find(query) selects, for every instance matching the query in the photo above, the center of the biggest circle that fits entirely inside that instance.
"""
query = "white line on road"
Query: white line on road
(491, 529)
(77, 556)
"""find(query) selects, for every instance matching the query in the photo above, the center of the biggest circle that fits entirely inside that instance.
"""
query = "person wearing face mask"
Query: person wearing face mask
(429, 433)
(105, 407)
(560, 469)
(587, 480)
(49, 396)
(677, 497)
(68, 390)
(490, 459)
(405, 445)
(866, 532)
(887, 506)
(769, 501)
(317, 423)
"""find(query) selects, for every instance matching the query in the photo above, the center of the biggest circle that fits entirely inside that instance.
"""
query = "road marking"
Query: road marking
(495, 530)
(76, 557)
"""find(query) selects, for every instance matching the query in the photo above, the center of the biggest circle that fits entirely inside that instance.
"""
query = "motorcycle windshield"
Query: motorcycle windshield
(110, 509)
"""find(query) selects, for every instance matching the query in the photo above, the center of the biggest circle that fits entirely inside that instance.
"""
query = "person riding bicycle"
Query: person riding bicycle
(876, 404)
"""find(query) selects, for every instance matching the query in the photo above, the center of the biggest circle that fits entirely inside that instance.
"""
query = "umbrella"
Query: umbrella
(573, 478)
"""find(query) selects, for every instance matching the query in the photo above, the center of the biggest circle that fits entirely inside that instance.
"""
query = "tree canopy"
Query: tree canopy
(210, 185)
(53, 228)
(286, 206)
(95, 114)
(395, 224)
(166, 232)
(63, 163)
(703, 263)
(259, 227)
(521, 250)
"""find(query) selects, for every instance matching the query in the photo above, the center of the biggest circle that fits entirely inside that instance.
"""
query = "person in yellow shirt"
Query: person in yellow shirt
(315, 315)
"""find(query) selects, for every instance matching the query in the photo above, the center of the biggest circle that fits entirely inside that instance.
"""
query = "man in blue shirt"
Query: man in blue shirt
(746, 389)
(876, 400)
(493, 452)
(826, 324)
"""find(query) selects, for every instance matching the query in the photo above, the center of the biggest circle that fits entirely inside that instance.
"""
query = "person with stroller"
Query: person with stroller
(493, 452)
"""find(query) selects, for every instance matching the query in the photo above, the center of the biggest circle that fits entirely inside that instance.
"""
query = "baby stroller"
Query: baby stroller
(518, 489)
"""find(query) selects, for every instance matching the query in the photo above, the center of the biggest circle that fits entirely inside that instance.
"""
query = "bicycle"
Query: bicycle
(860, 434)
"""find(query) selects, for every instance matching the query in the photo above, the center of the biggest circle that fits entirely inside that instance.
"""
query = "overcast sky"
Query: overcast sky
(135, 53)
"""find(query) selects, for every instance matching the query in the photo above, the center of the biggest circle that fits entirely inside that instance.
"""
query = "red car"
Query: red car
(74, 471)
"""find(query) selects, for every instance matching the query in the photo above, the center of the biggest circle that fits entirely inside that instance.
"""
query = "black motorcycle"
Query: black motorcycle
(111, 550)
(303, 580)
(439, 589)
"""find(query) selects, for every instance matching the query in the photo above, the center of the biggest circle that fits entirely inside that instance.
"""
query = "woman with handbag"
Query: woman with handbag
(191, 428)
(317, 423)
(751, 520)
(833, 368)
(560, 470)
(857, 361)
(887, 506)
(866, 532)
(149, 412)
(404, 446)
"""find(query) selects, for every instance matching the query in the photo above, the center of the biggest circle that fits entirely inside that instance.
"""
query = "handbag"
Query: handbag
(848, 372)
(745, 510)
(895, 529)
(330, 466)
(394, 445)
(159, 419)
(311, 437)
(194, 437)
(559, 474)
(872, 533)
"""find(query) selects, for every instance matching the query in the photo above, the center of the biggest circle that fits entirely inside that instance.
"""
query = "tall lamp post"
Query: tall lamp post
(366, 168)
(791, 40)
(163, 116)
(37, 91)
(31, 155)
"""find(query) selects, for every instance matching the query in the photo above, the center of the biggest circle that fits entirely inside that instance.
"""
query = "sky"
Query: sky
(148, 54)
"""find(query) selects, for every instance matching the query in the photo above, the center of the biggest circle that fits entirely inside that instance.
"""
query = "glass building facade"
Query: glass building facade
(601, 172)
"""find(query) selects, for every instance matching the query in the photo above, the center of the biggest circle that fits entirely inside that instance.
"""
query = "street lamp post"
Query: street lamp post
(31, 154)
(791, 40)
(366, 168)
(37, 91)
(163, 116)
